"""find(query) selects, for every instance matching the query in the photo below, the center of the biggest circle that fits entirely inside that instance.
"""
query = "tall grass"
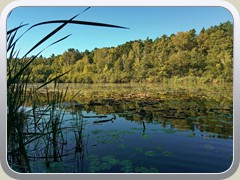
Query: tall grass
(19, 93)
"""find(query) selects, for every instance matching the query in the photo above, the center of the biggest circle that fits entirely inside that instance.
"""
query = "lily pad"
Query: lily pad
(93, 169)
(110, 159)
(104, 141)
(158, 148)
(92, 157)
(56, 167)
(139, 149)
(150, 153)
(122, 146)
(107, 158)
(140, 169)
(136, 129)
(97, 131)
(127, 132)
(145, 136)
(113, 161)
(115, 136)
(167, 153)
(127, 169)
(95, 163)
(105, 166)
(126, 163)
(154, 170)
(145, 170)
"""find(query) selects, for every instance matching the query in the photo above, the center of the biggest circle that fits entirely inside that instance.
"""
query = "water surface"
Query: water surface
(148, 128)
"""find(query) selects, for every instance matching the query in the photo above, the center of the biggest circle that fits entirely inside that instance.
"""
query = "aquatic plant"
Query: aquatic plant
(126, 163)
(167, 153)
(145, 170)
(127, 169)
(122, 146)
(150, 153)
(138, 149)
(19, 93)
(158, 148)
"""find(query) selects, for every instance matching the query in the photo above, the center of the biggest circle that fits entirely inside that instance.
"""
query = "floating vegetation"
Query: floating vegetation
(97, 131)
(126, 166)
(104, 141)
(39, 164)
(115, 136)
(154, 170)
(126, 163)
(106, 158)
(92, 157)
(167, 153)
(145, 136)
(153, 129)
(169, 131)
(127, 132)
(113, 161)
(127, 169)
(136, 129)
(138, 149)
(95, 163)
(102, 164)
(150, 153)
(105, 166)
(56, 167)
(93, 169)
(122, 146)
(158, 148)
(145, 170)
(110, 159)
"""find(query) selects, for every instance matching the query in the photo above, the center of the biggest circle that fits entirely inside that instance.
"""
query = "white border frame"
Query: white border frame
(169, 3)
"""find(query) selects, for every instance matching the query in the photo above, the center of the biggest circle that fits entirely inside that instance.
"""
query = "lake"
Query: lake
(131, 128)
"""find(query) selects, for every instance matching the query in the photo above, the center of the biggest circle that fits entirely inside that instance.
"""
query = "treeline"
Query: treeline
(187, 56)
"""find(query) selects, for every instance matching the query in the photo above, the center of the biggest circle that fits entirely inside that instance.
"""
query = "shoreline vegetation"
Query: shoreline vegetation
(182, 57)
(19, 71)
(38, 133)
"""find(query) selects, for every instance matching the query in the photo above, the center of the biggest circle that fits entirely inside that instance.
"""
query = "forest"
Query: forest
(185, 56)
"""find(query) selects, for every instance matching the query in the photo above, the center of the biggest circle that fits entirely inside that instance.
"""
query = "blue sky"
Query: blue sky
(143, 22)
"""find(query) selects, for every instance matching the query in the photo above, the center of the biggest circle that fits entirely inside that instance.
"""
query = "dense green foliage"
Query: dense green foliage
(185, 56)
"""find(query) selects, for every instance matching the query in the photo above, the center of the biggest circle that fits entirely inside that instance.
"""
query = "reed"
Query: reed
(19, 93)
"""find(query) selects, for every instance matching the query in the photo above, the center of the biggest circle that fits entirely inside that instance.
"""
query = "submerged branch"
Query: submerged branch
(106, 120)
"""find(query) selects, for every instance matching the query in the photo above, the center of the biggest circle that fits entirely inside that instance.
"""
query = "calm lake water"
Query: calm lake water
(143, 128)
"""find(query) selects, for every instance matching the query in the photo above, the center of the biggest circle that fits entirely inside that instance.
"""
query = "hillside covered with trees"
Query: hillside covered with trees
(187, 56)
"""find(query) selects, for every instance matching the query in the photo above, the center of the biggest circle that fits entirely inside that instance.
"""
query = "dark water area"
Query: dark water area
(136, 129)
